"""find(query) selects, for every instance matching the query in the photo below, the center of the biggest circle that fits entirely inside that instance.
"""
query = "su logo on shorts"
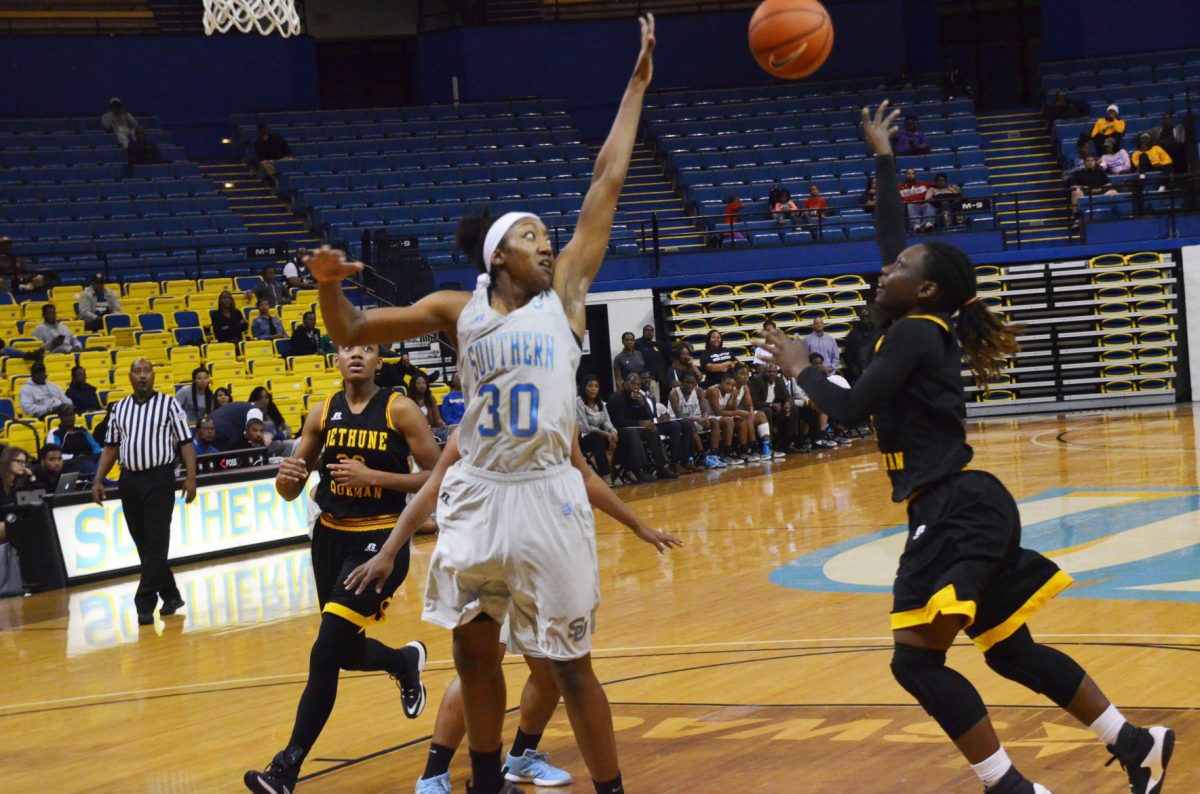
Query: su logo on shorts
(577, 629)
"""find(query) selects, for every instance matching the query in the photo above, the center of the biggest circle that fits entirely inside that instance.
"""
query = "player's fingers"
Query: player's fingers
(866, 114)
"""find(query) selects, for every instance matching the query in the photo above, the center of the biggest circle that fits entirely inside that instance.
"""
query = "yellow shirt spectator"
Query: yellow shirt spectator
(1106, 127)
(1158, 156)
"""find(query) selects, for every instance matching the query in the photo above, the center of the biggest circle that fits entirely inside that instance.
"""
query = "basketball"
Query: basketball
(790, 39)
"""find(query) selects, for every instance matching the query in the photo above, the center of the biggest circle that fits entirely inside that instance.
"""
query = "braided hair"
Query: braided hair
(986, 339)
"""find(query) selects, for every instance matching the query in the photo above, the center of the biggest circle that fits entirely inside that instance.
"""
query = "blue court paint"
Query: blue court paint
(1134, 544)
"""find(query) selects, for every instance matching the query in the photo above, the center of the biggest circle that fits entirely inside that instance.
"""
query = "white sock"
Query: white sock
(764, 430)
(992, 768)
(1108, 725)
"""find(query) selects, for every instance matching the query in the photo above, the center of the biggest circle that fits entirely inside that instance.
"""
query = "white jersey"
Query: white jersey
(518, 374)
(689, 407)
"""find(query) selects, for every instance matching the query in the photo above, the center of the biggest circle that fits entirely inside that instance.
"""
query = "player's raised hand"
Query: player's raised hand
(659, 540)
(879, 128)
(292, 470)
(644, 69)
(330, 265)
(776, 347)
(375, 570)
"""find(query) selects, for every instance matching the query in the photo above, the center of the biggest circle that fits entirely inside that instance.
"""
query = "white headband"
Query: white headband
(491, 242)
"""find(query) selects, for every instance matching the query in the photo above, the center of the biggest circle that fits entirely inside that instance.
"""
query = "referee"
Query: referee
(144, 432)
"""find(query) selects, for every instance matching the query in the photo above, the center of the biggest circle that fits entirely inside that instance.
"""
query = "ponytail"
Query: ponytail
(987, 341)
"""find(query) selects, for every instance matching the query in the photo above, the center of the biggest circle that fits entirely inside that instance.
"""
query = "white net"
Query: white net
(267, 16)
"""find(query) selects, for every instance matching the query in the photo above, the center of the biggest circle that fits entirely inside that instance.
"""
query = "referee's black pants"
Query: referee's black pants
(148, 498)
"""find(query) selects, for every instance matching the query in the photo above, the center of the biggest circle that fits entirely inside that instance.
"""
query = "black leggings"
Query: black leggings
(595, 449)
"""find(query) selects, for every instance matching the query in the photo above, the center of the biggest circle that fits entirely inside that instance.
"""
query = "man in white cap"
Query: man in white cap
(1111, 126)
(95, 302)
(119, 122)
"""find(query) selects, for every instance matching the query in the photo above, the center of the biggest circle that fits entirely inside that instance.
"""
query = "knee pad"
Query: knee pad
(944, 693)
(1045, 670)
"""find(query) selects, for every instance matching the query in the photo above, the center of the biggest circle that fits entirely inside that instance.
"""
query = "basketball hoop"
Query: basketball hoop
(268, 16)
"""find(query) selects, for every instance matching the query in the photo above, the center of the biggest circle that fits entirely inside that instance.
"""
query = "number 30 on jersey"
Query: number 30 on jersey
(522, 410)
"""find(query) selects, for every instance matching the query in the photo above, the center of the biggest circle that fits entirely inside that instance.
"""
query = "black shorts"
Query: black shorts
(335, 553)
(964, 557)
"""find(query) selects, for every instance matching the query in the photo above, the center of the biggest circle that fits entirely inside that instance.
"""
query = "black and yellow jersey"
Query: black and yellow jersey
(369, 437)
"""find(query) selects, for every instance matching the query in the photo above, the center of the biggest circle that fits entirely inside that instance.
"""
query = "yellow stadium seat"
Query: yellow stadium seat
(261, 367)
(687, 294)
(841, 313)
(986, 271)
(325, 383)
(21, 436)
(1109, 277)
(98, 342)
(783, 285)
(287, 385)
(168, 304)
(1156, 368)
(847, 281)
(997, 395)
(1116, 354)
(257, 348)
(112, 395)
(306, 365)
(1143, 258)
(123, 358)
(179, 287)
(219, 351)
(691, 325)
(216, 285)
(32, 310)
(753, 304)
(817, 298)
(1111, 293)
(227, 371)
(1154, 384)
(1107, 260)
(1117, 386)
(719, 291)
(189, 354)
(142, 288)
(751, 288)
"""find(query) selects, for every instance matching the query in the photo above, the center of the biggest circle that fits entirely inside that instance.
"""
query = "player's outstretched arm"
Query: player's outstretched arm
(580, 260)
(603, 498)
(878, 129)
(420, 507)
(293, 472)
(349, 325)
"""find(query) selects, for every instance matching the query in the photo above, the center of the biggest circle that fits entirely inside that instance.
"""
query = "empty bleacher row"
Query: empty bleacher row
(744, 142)
(739, 311)
(1098, 329)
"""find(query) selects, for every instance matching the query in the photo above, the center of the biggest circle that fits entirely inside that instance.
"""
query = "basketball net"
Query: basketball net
(268, 16)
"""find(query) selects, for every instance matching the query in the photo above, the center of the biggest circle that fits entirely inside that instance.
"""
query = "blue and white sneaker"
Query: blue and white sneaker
(532, 767)
(434, 785)
(713, 462)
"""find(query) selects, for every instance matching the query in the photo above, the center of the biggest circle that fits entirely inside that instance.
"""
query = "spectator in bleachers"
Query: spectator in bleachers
(454, 404)
(418, 392)
(814, 209)
(253, 436)
(1111, 126)
(15, 269)
(306, 339)
(1090, 181)
(49, 468)
(95, 302)
(1063, 107)
(665, 422)
(653, 352)
(1082, 152)
(1149, 156)
(38, 397)
(733, 216)
(944, 197)
(683, 363)
(919, 211)
(724, 401)
(770, 398)
(268, 148)
(196, 399)
(230, 419)
(1114, 160)
(1171, 137)
(902, 80)
(820, 342)
(860, 344)
(205, 439)
(228, 322)
(272, 289)
(638, 443)
(81, 393)
(119, 122)
(79, 448)
(953, 81)
(295, 274)
(597, 435)
(910, 140)
(867, 199)
(221, 396)
(627, 360)
(141, 151)
(715, 361)
(784, 210)
(690, 407)
(275, 426)
(54, 336)
(398, 374)
(266, 325)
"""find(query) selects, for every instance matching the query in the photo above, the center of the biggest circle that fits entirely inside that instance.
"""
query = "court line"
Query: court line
(205, 687)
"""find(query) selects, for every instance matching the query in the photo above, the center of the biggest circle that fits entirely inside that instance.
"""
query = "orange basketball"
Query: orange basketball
(791, 38)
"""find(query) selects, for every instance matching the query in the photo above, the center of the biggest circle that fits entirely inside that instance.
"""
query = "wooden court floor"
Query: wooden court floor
(755, 659)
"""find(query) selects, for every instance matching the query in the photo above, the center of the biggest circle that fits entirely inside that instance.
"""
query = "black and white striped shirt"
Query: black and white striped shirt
(146, 434)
